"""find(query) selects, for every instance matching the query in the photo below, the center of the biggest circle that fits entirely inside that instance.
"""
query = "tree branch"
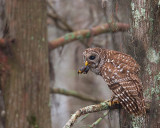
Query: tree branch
(75, 94)
(62, 24)
(90, 109)
(86, 33)
(99, 120)
(56, 18)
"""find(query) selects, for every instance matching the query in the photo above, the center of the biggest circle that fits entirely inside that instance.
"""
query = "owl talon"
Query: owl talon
(115, 102)
(111, 103)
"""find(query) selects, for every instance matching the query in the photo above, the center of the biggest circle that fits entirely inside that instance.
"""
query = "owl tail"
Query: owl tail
(141, 106)
(133, 105)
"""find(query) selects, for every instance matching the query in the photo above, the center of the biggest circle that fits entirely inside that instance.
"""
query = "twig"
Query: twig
(99, 120)
(65, 26)
(75, 94)
(90, 109)
(86, 33)
(56, 17)
(84, 117)
(104, 3)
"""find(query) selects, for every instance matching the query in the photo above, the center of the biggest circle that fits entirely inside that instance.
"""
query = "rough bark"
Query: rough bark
(26, 89)
(146, 47)
(2, 59)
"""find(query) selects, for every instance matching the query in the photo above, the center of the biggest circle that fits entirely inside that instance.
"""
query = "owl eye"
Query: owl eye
(92, 57)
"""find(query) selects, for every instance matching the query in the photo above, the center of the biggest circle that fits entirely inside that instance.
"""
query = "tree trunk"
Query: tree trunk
(146, 47)
(26, 89)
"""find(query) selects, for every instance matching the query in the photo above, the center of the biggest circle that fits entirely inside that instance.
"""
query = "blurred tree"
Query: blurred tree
(145, 45)
(26, 84)
(2, 29)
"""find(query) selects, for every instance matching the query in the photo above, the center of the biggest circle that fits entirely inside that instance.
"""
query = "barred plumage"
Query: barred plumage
(120, 71)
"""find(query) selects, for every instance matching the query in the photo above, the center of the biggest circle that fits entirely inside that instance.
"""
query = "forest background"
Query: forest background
(35, 78)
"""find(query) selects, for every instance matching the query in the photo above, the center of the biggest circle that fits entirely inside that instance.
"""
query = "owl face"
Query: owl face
(91, 57)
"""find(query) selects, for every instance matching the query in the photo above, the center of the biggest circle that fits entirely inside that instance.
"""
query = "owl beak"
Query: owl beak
(86, 63)
(84, 69)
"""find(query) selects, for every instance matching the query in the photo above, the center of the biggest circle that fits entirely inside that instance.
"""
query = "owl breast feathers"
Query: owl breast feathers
(120, 72)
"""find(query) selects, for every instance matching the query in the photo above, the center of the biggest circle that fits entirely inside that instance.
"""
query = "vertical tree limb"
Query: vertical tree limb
(26, 89)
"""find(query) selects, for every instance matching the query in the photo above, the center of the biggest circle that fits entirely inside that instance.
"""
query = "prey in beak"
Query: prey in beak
(84, 69)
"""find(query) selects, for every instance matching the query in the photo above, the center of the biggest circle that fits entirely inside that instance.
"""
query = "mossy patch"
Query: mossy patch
(153, 56)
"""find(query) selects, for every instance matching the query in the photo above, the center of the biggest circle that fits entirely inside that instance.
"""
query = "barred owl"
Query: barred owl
(120, 72)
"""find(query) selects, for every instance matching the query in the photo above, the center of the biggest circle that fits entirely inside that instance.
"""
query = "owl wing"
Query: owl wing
(123, 80)
(127, 68)
(121, 60)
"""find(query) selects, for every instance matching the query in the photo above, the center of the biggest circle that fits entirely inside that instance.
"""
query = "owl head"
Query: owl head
(91, 57)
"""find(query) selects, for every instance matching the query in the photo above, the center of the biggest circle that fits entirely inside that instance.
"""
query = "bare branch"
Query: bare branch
(99, 120)
(75, 94)
(60, 22)
(90, 109)
(86, 33)
(58, 18)
(104, 3)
